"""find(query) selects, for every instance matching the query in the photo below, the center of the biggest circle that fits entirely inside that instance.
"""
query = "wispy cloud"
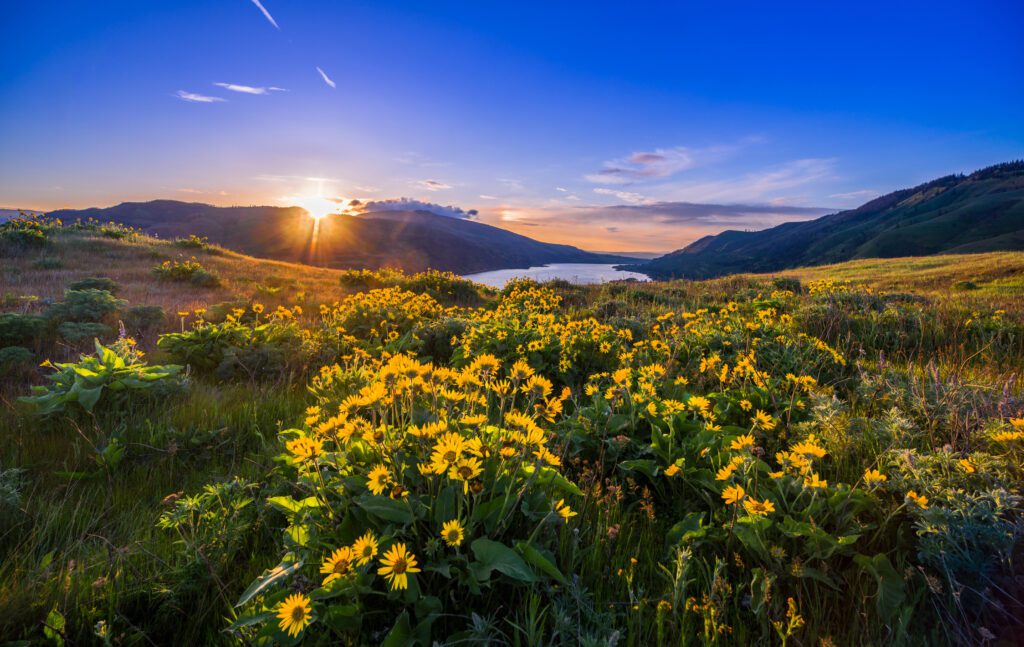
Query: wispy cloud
(625, 196)
(863, 194)
(326, 78)
(249, 89)
(432, 185)
(266, 13)
(365, 188)
(758, 186)
(484, 196)
(658, 164)
(192, 97)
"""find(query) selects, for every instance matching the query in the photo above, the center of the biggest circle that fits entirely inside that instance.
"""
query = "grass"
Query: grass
(649, 557)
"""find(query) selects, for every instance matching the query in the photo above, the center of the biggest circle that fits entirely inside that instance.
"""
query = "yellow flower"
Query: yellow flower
(466, 469)
(453, 533)
(304, 448)
(447, 452)
(1008, 436)
(966, 465)
(745, 405)
(564, 511)
(918, 499)
(764, 421)
(872, 477)
(814, 481)
(743, 442)
(733, 494)
(396, 564)
(724, 473)
(672, 470)
(257, 308)
(294, 614)
(700, 403)
(758, 508)
(1017, 423)
(809, 447)
(365, 548)
(379, 479)
(337, 565)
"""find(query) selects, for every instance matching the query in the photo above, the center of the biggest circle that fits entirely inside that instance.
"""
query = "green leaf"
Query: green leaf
(646, 467)
(536, 558)
(891, 587)
(494, 555)
(690, 527)
(386, 508)
(549, 476)
(268, 579)
(54, 627)
(400, 634)
(89, 397)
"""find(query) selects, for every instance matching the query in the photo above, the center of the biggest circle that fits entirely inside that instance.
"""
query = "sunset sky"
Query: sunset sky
(611, 126)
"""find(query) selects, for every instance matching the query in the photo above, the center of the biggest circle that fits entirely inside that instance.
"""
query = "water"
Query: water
(572, 272)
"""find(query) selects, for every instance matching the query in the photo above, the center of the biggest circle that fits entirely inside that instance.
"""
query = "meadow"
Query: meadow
(199, 447)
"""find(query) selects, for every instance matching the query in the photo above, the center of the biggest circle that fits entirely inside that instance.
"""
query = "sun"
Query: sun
(319, 207)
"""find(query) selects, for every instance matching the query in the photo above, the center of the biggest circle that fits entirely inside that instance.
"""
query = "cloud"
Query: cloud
(511, 184)
(863, 194)
(651, 165)
(625, 196)
(192, 97)
(266, 13)
(432, 185)
(189, 191)
(366, 189)
(248, 89)
(324, 76)
(758, 186)
(484, 196)
(411, 204)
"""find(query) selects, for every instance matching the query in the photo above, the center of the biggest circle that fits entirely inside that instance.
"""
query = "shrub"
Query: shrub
(190, 270)
(76, 332)
(95, 283)
(88, 305)
(21, 329)
(15, 360)
(24, 232)
(193, 242)
(142, 318)
(108, 381)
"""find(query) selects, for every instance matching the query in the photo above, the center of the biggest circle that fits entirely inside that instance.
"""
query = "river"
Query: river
(572, 272)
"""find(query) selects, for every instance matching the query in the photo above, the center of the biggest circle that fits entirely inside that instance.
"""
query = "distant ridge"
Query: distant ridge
(410, 240)
(980, 212)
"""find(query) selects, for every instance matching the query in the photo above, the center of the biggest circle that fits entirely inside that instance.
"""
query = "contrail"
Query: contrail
(327, 79)
(266, 13)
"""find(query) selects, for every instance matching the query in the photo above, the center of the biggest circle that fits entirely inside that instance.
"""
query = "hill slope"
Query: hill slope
(980, 212)
(411, 240)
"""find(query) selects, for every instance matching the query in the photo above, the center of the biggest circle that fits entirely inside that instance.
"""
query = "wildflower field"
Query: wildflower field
(215, 454)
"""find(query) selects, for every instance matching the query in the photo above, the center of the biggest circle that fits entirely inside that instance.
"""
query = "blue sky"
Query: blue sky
(592, 123)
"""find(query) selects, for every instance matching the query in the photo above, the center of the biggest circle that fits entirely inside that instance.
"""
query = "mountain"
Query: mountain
(980, 212)
(410, 240)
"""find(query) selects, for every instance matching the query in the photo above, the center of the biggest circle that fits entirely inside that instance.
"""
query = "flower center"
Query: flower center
(399, 566)
(298, 613)
(449, 456)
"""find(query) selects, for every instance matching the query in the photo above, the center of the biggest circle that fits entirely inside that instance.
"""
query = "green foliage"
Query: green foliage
(21, 329)
(15, 359)
(76, 332)
(95, 283)
(108, 381)
(143, 318)
(11, 514)
(25, 232)
(89, 305)
(190, 271)
(48, 263)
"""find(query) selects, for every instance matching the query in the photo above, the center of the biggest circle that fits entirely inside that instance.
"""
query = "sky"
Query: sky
(611, 126)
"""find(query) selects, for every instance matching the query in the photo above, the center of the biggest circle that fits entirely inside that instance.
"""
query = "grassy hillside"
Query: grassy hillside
(980, 212)
(765, 459)
(411, 240)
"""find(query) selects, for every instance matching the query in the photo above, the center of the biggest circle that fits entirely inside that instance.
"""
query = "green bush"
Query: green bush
(140, 318)
(234, 350)
(76, 332)
(14, 360)
(190, 270)
(25, 232)
(107, 381)
(85, 305)
(95, 283)
(21, 330)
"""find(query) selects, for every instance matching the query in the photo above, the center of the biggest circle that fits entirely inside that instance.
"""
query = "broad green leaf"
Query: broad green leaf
(646, 467)
(494, 555)
(536, 558)
(268, 579)
(386, 508)
(400, 634)
(891, 587)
